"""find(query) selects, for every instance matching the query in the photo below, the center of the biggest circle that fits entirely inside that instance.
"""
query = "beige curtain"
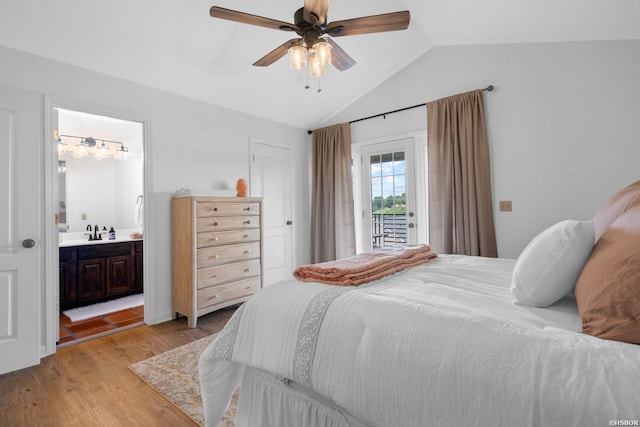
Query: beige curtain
(460, 206)
(332, 221)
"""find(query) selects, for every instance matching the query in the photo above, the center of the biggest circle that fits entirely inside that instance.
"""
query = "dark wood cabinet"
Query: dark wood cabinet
(91, 279)
(99, 272)
(68, 277)
(138, 266)
(120, 274)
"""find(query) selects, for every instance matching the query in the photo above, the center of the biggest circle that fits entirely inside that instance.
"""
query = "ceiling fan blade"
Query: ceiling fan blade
(319, 8)
(246, 18)
(369, 24)
(339, 58)
(276, 53)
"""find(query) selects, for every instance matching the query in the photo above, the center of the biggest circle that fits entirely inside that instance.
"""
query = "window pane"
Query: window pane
(388, 199)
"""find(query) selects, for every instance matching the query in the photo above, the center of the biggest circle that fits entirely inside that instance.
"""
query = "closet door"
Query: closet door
(271, 177)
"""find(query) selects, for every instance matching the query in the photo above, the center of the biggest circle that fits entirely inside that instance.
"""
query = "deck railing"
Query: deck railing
(388, 230)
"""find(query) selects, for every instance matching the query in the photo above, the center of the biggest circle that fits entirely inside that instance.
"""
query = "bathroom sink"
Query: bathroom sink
(84, 242)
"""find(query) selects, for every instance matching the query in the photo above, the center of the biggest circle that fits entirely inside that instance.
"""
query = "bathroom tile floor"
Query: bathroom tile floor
(76, 332)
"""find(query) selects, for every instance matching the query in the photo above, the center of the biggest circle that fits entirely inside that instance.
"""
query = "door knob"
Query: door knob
(410, 225)
(289, 222)
(28, 243)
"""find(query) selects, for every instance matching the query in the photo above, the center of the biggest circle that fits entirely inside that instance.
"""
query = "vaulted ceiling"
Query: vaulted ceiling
(174, 45)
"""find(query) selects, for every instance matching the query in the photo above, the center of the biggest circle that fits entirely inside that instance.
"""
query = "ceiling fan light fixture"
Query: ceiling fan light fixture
(323, 52)
(310, 25)
(297, 57)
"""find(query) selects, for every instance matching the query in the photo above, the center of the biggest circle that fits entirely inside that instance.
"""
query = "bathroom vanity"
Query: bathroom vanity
(96, 271)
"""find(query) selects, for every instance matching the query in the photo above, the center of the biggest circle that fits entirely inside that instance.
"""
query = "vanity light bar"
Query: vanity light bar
(100, 148)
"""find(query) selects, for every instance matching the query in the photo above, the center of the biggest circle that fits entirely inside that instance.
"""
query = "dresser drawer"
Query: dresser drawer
(218, 294)
(214, 238)
(217, 255)
(219, 274)
(213, 209)
(227, 222)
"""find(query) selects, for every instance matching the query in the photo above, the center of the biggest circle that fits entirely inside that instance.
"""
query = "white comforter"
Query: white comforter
(438, 345)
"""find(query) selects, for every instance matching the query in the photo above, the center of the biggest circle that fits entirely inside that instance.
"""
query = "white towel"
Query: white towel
(139, 211)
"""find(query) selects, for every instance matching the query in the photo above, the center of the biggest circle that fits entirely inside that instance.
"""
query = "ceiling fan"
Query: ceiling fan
(311, 24)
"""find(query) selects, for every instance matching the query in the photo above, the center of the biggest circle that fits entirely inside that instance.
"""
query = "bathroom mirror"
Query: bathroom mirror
(99, 191)
(62, 196)
(102, 192)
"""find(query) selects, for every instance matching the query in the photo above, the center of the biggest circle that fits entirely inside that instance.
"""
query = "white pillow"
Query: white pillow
(548, 268)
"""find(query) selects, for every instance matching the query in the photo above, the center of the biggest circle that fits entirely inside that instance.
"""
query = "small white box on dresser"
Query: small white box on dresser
(216, 251)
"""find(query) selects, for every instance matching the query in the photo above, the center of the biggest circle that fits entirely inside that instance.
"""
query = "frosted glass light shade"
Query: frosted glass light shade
(316, 68)
(297, 57)
(323, 52)
(62, 147)
(80, 151)
(102, 152)
(121, 154)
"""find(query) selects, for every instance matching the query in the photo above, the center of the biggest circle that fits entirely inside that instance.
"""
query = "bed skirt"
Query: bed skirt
(266, 400)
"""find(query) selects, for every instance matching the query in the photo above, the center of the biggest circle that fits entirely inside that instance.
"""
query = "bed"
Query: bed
(457, 340)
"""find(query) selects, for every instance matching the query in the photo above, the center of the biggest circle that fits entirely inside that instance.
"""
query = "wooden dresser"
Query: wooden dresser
(216, 251)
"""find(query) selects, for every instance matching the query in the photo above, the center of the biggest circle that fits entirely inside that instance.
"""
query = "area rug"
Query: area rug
(174, 374)
(94, 310)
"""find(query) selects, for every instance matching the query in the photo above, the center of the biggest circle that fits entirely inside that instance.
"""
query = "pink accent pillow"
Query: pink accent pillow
(623, 200)
(608, 289)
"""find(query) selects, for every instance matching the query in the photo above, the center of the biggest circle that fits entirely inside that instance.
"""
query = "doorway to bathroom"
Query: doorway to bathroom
(99, 208)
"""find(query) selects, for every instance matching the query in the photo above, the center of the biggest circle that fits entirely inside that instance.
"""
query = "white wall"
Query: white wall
(192, 145)
(563, 123)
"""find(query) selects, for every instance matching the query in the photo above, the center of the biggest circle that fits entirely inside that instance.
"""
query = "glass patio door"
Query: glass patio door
(388, 194)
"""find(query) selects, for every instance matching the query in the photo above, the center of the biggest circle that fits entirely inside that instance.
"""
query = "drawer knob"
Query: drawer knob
(216, 256)
(215, 209)
(215, 239)
(215, 224)
(248, 208)
(247, 221)
(246, 236)
(247, 252)
(247, 288)
(217, 296)
(247, 270)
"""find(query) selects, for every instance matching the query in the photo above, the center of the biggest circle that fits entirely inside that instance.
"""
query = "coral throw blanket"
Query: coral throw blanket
(365, 267)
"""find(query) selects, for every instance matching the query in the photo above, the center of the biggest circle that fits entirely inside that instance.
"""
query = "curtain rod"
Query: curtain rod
(488, 89)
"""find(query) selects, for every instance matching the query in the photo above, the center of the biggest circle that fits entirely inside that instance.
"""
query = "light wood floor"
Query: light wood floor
(90, 384)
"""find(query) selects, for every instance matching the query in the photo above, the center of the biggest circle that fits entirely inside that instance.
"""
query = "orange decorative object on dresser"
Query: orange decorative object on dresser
(241, 188)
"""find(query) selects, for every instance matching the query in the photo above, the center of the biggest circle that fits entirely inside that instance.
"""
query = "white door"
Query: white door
(20, 229)
(271, 179)
(388, 194)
